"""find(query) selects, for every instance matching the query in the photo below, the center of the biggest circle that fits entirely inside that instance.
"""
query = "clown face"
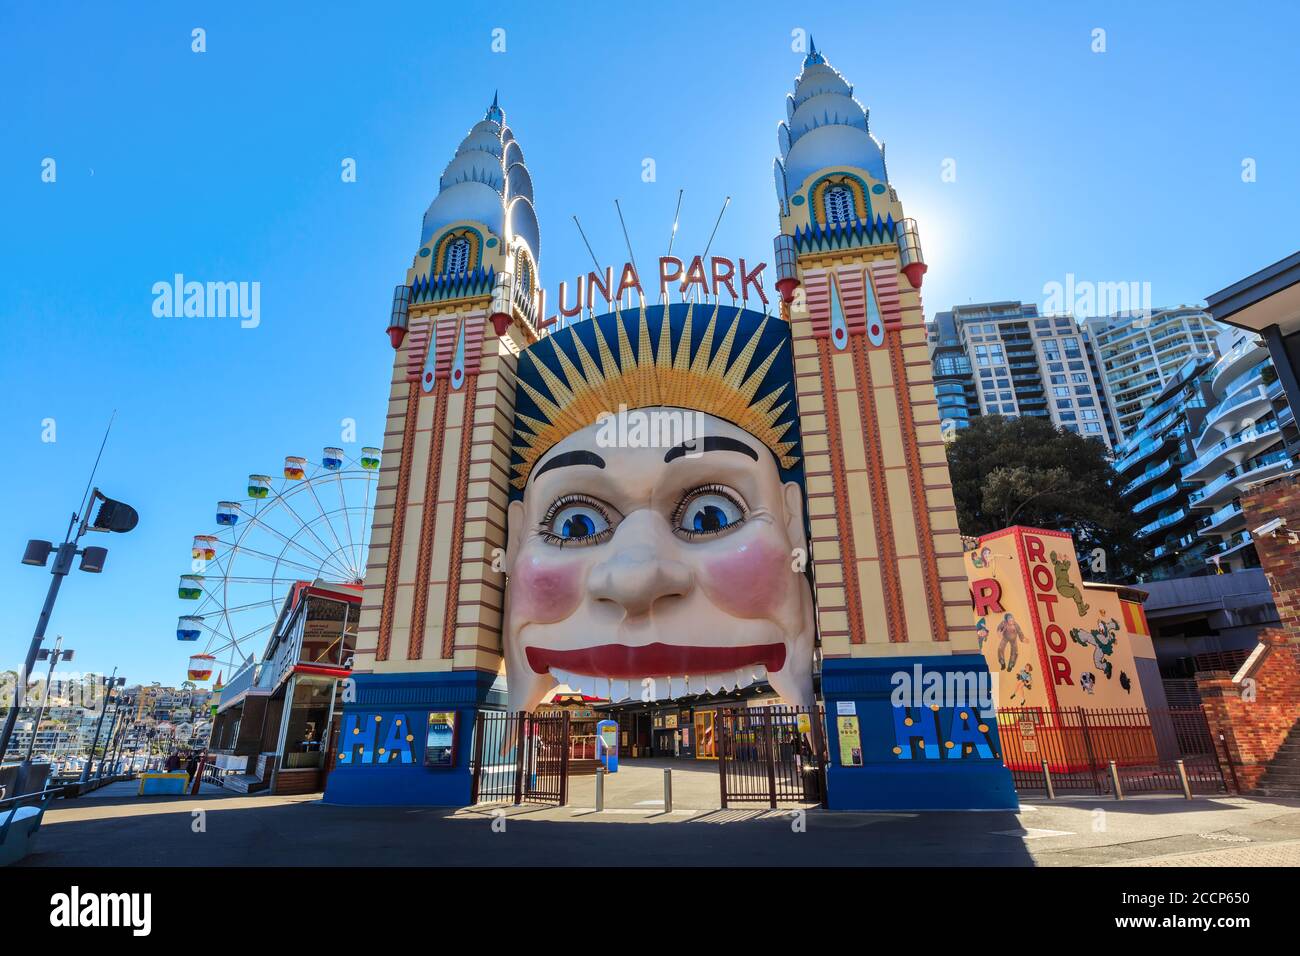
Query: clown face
(653, 572)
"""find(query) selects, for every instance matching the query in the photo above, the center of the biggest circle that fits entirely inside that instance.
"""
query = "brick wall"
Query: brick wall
(1253, 715)
(1279, 555)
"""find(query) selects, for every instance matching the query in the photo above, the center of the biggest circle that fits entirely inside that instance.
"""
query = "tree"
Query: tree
(1027, 471)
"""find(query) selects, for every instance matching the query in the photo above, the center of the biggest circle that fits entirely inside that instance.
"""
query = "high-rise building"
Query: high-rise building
(1022, 363)
(954, 380)
(1245, 440)
(1139, 354)
(1149, 462)
(1220, 425)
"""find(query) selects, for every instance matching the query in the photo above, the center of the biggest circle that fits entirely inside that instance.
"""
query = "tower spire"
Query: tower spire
(813, 57)
(494, 111)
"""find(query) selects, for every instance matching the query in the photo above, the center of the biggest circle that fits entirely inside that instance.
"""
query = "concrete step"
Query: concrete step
(1288, 792)
(244, 783)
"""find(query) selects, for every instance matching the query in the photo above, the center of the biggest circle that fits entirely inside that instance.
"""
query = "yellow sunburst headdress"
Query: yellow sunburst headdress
(731, 363)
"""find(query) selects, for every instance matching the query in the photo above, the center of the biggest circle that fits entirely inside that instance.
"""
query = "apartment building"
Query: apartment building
(1139, 354)
(1249, 436)
(1021, 363)
(954, 379)
(1221, 424)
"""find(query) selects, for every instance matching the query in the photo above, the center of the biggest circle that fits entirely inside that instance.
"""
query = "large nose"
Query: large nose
(641, 568)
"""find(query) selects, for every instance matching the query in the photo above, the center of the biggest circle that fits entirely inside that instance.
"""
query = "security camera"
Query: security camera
(1269, 528)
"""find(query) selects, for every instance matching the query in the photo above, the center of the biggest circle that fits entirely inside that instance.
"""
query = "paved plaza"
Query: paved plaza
(215, 828)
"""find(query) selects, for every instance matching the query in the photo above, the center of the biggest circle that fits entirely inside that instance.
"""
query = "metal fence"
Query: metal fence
(1074, 749)
(771, 755)
(520, 758)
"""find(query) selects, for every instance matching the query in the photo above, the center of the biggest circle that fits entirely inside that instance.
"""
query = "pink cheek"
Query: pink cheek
(545, 590)
(749, 581)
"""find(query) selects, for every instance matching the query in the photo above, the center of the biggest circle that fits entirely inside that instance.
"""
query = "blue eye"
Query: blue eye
(575, 521)
(706, 512)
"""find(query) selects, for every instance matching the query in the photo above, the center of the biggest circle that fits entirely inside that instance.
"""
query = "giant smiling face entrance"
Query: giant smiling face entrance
(657, 541)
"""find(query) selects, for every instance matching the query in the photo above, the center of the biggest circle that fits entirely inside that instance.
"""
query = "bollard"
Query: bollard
(1114, 779)
(600, 788)
(1047, 782)
(1182, 778)
(668, 790)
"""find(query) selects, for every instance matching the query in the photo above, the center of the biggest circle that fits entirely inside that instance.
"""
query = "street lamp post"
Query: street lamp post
(113, 516)
(128, 703)
(53, 657)
(108, 683)
(112, 732)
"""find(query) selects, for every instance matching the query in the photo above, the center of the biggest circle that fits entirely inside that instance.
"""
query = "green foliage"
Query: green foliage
(1026, 471)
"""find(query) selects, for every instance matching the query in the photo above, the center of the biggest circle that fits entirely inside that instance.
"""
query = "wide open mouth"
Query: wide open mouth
(619, 671)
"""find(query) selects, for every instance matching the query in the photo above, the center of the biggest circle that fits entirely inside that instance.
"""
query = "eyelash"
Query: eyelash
(694, 493)
(558, 505)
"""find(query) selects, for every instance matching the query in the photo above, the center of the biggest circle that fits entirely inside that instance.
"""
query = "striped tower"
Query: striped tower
(429, 639)
(887, 559)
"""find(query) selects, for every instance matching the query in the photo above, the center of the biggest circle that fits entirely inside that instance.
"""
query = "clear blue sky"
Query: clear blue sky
(1120, 166)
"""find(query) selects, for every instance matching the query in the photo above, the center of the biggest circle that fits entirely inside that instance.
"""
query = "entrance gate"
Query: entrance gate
(520, 758)
(768, 755)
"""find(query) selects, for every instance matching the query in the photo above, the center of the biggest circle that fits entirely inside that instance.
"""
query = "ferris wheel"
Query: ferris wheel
(310, 525)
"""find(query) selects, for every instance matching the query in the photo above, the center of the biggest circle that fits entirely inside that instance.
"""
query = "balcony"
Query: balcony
(1155, 499)
(1235, 361)
(1233, 411)
(1215, 521)
(1235, 543)
(1161, 523)
(1173, 547)
(1149, 475)
(1148, 446)
(1222, 453)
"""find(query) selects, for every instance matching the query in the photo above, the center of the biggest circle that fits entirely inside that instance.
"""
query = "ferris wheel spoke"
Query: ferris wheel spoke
(282, 560)
(293, 542)
(253, 605)
(347, 520)
(329, 524)
(251, 579)
(284, 498)
(364, 531)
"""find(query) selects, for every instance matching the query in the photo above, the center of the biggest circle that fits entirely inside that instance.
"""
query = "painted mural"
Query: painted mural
(657, 526)
(1052, 640)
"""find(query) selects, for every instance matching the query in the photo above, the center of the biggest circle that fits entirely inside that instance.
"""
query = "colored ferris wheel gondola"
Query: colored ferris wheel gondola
(294, 467)
(188, 627)
(370, 459)
(204, 547)
(228, 513)
(259, 486)
(332, 459)
(190, 588)
(200, 668)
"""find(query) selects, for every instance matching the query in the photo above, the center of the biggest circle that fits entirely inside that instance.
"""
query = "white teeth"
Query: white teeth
(659, 688)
